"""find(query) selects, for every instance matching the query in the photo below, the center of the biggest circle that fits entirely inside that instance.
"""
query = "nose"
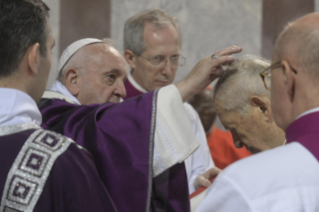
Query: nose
(120, 90)
(168, 69)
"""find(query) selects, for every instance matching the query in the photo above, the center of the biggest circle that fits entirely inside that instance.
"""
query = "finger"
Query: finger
(228, 51)
(204, 182)
(211, 173)
(219, 61)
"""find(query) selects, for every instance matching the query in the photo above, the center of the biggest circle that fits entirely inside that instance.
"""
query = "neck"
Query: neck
(306, 96)
(304, 104)
(14, 83)
(135, 83)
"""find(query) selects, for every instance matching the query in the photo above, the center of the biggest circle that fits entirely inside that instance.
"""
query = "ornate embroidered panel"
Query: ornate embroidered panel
(30, 170)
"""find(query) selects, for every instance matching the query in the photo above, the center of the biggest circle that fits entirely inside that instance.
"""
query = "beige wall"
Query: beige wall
(55, 25)
(207, 25)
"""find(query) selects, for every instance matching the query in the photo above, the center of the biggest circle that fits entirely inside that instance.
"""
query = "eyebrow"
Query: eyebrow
(115, 71)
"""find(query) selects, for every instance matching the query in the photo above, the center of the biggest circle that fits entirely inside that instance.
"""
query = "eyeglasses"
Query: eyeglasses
(160, 61)
(266, 74)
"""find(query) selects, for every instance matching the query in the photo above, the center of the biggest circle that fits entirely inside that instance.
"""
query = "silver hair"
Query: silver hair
(134, 28)
(77, 61)
(239, 82)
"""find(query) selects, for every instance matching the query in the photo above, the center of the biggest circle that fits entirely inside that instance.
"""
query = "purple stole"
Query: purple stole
(162, 186)
(305, 130)
(120, 138)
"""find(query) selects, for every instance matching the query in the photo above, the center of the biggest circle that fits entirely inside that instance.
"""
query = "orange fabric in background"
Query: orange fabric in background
(222, 148)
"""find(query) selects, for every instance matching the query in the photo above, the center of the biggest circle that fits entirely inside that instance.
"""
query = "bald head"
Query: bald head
(91, 55)
(298, 43)
(95, 74)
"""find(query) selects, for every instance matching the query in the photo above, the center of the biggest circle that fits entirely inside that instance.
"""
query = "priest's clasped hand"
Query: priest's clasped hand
(206, 71)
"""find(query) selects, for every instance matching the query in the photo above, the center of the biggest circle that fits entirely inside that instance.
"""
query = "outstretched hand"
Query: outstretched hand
(203, 180)
(206, 71)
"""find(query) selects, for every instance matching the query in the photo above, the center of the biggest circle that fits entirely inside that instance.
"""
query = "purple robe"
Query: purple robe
(120, 137)
(71, 182)
(305, 130)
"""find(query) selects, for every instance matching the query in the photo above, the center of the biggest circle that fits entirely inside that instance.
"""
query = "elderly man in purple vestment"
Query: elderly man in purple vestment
(138, 145)
(152, 42)
(284, 178)
(41, 171)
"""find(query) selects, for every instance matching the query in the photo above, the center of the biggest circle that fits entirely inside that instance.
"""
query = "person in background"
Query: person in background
(152, 42)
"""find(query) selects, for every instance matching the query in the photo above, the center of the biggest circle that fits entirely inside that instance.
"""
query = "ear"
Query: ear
(263, 105)
(289, 80)
(130, 58)
(73, 79)
(34, 58)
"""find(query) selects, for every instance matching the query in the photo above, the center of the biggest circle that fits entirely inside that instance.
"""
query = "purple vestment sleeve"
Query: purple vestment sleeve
(120, 137)
(72, 185)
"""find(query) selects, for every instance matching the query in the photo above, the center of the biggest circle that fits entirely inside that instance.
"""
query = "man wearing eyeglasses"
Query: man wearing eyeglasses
(284, 178)
(152, 41)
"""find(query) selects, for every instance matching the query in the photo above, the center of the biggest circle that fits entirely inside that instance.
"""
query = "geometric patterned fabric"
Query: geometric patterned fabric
(30, 170)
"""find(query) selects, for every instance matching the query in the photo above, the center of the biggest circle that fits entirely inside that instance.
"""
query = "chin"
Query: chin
(161, 84)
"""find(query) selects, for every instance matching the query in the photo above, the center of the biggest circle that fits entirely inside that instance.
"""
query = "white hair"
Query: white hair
(240, 81)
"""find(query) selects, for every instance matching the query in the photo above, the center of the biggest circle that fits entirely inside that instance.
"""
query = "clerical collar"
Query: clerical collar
(134, 83)
(308, 112)
(17, 107)
(60, 88)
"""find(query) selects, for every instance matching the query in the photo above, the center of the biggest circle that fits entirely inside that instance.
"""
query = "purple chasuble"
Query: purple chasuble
(305, 130)
(45, 172)
(120, 138)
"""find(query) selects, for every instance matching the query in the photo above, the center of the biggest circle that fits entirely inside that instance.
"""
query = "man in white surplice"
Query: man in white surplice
(284, 178)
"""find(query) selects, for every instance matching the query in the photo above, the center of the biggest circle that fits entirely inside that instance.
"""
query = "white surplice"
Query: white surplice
(17, 107)
(174, 142)
(201, 160)
(282, 179)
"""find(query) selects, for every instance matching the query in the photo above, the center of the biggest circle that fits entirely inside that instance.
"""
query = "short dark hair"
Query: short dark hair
(22, 24)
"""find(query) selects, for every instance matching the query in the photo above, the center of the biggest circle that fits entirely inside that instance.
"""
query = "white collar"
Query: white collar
(60, 88)
(17, 107)
(308, 112)
(134, 83)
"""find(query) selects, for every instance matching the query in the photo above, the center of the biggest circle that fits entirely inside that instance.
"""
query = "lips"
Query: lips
(162, 82)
